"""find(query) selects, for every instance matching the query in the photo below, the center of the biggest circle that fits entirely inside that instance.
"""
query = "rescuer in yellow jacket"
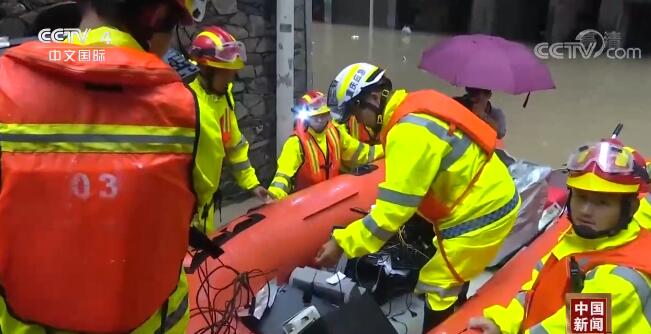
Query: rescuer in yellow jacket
(439, 163)
(219, 56)
(318, 149)
(135, 36)
(605, 251)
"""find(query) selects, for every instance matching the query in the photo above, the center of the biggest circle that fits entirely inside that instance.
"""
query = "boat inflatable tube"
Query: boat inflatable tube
(506, 282)
(271, 241)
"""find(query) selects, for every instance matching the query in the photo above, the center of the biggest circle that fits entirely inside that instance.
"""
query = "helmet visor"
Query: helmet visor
(609, 157)
(229, 51)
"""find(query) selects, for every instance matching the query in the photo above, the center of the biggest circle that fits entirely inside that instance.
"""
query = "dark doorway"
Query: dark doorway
(318, 10)
(586, 18)
(522, 20)
(639, 29)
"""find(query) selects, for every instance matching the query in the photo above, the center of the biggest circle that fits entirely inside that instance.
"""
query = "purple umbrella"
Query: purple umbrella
(487, 62)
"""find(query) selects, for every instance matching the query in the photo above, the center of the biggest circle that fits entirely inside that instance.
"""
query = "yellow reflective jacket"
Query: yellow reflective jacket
(214, 111)
(290, 160)
(414, 161)
(629, 289)
(177, 312)
(422, 156)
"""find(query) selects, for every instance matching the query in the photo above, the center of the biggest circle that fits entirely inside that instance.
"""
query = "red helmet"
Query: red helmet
(313, 103)
(606, 167)
(215, 47)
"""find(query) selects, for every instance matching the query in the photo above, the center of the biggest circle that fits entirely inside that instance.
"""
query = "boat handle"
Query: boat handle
(331, 205)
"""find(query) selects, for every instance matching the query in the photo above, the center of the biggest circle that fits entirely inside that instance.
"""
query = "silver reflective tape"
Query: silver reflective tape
(284, 176)
(538, 329)
(459, 146)
(241, 165)
(643, 290)
(521, 297)
(443, 292)
(371, 153)
(239, 145)
(280, 186)
(590, 274)
(399, 198)
(360, 147)
(95, 138)
(376, 230)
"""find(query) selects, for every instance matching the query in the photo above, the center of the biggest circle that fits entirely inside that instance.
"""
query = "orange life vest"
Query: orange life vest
(95, 208)
(317, 167)
(444, 108)
(547, 295)
(360, 132)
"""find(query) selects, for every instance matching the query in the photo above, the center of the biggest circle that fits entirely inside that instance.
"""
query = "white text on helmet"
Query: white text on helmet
(356, 80)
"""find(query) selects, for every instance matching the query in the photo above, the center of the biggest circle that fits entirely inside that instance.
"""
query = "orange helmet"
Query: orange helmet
(215, 47)
(313, 103)
(605, 167)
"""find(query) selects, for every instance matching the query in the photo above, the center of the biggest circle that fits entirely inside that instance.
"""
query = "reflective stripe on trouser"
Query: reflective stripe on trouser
(176, 322)
(470, 253)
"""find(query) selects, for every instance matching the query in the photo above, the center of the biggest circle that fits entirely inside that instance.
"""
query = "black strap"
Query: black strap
(163, 313)
(576, 276)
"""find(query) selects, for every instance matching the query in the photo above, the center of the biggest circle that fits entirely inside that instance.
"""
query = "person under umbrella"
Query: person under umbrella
(484, 64)
(478, 101)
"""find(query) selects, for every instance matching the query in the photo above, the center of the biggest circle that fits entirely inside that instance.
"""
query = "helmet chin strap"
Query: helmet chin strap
(589, 233)
(377, 110)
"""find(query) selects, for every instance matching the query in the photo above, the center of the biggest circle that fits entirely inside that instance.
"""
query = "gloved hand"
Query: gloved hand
(329, 254)
(262, 194)
(485, 325)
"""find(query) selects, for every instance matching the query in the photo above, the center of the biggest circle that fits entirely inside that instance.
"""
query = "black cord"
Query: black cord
(221, 319)
(400, 322)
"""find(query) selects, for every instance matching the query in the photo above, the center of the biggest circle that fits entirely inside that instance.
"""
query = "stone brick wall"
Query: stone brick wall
(26, 17)
(254, 23)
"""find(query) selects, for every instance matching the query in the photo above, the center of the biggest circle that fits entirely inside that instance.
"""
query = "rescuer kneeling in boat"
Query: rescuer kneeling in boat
(219, 57)
(97, 190)
(606, 251)
(439, 164)
(318, 149)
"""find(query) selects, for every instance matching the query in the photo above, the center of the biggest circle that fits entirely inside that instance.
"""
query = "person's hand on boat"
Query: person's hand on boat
(262, 194)
(485, 325)
(329, 254)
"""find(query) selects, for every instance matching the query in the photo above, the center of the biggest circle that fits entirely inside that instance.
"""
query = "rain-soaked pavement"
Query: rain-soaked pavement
(591, 97)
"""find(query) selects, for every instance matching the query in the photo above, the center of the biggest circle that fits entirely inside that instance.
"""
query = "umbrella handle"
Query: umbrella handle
(617, 131)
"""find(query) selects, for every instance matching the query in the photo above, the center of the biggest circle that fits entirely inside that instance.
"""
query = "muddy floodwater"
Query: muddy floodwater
(591, 97)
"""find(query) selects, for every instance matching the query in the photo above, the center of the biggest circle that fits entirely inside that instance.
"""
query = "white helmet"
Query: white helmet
(351, 83)
(198, 9)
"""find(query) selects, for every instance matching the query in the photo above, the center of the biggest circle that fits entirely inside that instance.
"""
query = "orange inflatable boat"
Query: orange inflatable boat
(299, 224)
(506, 282)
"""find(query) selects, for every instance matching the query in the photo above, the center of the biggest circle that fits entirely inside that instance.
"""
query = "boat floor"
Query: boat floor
(397, 310)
